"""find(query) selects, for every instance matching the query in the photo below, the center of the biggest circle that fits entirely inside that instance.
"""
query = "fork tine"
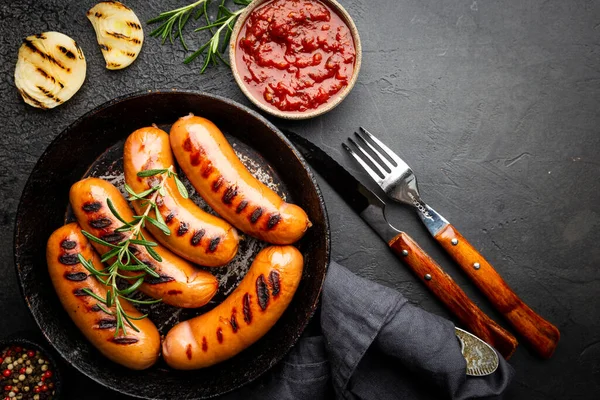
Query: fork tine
(383, 159)
(365, 166)
(378, 168)
(386, 149)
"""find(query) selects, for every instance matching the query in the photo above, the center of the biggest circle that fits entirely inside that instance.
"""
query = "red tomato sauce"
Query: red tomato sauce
(295, 54)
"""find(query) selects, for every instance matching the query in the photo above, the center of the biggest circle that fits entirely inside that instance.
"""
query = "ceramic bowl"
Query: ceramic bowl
(337, 98)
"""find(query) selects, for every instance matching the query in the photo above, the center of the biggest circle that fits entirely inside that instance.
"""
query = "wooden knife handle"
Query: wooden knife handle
(540, 334)
(449, 293)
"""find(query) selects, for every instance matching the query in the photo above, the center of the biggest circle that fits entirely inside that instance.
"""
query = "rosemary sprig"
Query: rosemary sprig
(215, 47)
(176, 19)
(124, 259)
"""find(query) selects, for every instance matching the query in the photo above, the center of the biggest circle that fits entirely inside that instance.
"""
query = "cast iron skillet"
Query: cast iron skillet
(79, 150)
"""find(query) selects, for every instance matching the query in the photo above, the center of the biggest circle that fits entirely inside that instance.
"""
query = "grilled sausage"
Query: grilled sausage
(179, 283)
(243, 318)
(135, 350)
(223, 181)
(196, 235)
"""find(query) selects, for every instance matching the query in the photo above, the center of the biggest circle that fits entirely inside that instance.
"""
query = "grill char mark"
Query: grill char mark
(273, 220)
(124, 37)
(113, 237)
(80, 293)
(241, 206)
(275, 283)
(67, 52)
(229, 194)
(256, 215)
(69, 259)
(246, 308)
(100, 223)
(107, 323)
(32, 99)
(198, 235)
(123, 340)
(92, 206)
(48, 94)
(68, 244)
(262, 292)
(233, 321)
(220, 335)
(44, 55)
(213, 244)
(183, 228)
(76, 276)
(170, 217)
(134, 25)
(50, 77)
(217, 183)
(151, 280)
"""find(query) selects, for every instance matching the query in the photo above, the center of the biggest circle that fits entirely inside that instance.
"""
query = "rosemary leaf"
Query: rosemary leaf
(94, 295)
(100, 306)
(97, 240)
(131, 288)
(115, 212)
(143, 242)
(151, 172)
(87, 264)
(108, 300)
(181, 187)
(133, 267)
(135, 301)
(137, 318)
(154, 255)
(164, 228)
(107, 256)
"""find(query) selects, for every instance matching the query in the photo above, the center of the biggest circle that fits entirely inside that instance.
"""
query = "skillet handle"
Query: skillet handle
(540, 334)
(453, 297)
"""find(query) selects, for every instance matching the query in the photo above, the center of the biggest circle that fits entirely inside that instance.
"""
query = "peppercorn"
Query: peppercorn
(23, 372)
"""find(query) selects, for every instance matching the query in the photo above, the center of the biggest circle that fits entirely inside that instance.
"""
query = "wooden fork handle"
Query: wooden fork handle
(449, 293)
(540, 334)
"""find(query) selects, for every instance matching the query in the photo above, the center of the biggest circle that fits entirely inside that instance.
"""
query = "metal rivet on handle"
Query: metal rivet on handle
(427, 277)
(404, 253)
(476, 266)
(454, 241)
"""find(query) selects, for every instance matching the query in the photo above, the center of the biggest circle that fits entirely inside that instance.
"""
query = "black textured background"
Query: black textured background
(494, 104)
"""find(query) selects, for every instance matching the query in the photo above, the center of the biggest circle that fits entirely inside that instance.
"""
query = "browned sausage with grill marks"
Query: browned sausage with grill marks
(243, 318)
(219, 176)
(196, 235)
(179, 283)
(135, 350)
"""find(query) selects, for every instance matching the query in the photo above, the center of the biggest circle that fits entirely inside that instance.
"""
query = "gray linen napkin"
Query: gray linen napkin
(374, 345)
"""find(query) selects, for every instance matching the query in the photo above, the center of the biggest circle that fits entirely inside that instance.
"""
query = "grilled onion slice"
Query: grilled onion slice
(50, 69)
(118, 31)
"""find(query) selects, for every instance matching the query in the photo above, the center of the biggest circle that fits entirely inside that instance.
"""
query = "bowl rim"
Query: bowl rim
(338, 98)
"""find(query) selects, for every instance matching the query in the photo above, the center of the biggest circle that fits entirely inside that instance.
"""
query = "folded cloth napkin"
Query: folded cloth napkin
(374, 345)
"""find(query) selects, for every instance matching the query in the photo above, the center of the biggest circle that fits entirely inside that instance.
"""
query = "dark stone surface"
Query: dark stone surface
(494, 104)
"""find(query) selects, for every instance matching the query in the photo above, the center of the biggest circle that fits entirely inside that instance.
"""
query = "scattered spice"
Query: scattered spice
(26, 375)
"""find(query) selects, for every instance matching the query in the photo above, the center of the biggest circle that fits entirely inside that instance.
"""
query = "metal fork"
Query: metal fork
(399, 182)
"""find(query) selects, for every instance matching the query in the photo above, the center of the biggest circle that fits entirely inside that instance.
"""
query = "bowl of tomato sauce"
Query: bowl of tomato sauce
(295, 59)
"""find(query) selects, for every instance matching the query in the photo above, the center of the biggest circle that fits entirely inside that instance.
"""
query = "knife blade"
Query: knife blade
(372, 210)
